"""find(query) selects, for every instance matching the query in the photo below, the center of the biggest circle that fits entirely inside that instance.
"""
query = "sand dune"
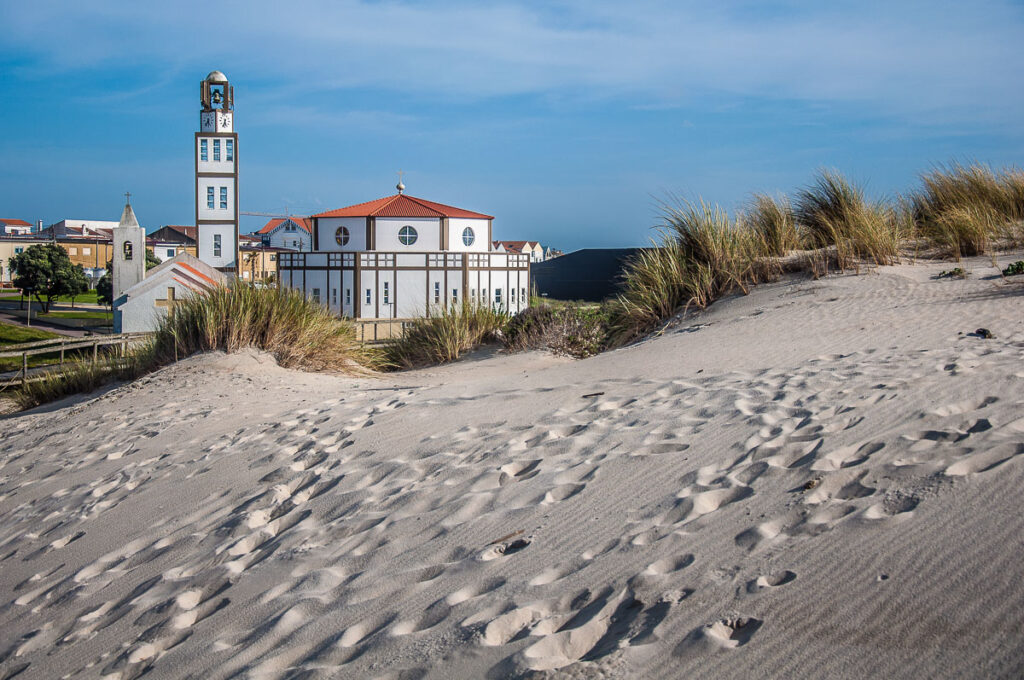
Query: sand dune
(820, 479)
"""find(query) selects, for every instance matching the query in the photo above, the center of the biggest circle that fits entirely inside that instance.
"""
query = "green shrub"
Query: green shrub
(1014, 269)
(576, 330)
(444, 336)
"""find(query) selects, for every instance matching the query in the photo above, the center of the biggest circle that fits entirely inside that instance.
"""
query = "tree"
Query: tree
(105, 286)
(46, 270)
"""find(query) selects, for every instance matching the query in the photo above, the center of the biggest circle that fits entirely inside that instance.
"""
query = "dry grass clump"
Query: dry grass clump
(772, 219)
(576, 330)
(444, 336)
(703, 254)
(970, 209)
(835, 213)
(77, 378)
(299, 333)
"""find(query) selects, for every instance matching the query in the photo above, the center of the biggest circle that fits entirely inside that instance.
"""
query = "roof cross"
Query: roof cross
(128, 197)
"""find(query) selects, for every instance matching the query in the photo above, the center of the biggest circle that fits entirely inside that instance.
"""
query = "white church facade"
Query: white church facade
(402, 257)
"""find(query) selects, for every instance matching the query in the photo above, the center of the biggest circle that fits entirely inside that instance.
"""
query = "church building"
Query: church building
(400, 257)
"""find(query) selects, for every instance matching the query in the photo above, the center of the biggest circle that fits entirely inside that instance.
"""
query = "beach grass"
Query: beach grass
(573, 329)
(447, 334)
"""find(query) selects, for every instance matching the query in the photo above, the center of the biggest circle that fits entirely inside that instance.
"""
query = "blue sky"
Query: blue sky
(568, 121)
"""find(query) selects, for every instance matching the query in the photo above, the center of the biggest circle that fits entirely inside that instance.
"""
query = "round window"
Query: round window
(407, 235)
(341, 236)
(468, 236)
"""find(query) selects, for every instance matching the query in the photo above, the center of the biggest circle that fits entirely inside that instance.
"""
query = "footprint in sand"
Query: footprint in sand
(774, 580)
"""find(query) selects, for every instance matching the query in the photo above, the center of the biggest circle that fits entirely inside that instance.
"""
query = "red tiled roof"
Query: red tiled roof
(273, 224)
(10, 222)
(402, 205)
(515, 246)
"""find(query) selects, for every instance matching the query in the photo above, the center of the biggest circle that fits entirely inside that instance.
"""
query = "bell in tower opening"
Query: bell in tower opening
(216, 180)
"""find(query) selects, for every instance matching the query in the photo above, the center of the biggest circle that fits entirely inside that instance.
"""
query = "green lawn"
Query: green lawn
(75, 315)
(14, 335)
(88, 296)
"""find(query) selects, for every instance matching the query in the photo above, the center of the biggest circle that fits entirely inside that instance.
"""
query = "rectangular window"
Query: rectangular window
(472, 294)
(497, 296)
(455, 294)
(18, 251)
(522, 296)
(387, 298)
(170, 252)
(216, 245)
(209, 198)
(72, 251)
(483, 295)
(216, 149)
(273, 258)
(86, 251)
(348, 296)
(369, 296)
(229, 151)
(204, 154)
(223, 198)
(334, 296)
(512, 295)
(316, 295)
(437, 292)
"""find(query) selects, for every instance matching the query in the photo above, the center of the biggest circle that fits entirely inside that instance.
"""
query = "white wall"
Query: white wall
(211, 165)
(229, 249)
(217, 213)
(428, 230)
(300, 239)
(455, 228)
(328, 226)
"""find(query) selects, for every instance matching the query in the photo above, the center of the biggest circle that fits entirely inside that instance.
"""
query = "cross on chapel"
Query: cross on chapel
(169, 302)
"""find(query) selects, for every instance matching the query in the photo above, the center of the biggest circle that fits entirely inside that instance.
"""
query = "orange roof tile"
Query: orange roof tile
(10, 222)
(403, 205)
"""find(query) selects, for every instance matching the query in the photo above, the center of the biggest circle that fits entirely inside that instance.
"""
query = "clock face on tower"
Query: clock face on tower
(224, 122)
(207, 121)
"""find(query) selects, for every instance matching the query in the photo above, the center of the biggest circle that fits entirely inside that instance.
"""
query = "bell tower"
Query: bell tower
(216, 149)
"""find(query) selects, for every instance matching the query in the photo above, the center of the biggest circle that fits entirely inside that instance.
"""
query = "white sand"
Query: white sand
(821, 479)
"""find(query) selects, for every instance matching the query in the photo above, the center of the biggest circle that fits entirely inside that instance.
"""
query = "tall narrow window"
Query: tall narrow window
(223, 198)
(437, 292)
(472, 294)
(387, 296)
(369, 296)
(483, 295)
(348, 296)
(216, 245)
(316, 295)
(455, 294)
(522, 296)
(512, 295)
(209, 198)
(204, 154)
(229, 150)
(216, 149)
(127, 250)
(497, 296)
(334, 296)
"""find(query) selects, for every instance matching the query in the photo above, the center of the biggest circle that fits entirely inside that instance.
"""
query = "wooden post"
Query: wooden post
(95, 351)
(62, 352)
(24, 369)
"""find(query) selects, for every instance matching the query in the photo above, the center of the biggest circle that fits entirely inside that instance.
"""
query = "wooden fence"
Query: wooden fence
(60, 346)
(374, 331)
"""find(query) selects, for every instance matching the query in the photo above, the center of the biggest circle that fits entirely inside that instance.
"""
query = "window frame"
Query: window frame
(408, 235)
(204, 150)
(223, 198)
(211, 199)
(216, 151)
(218, 245)
(229, 150)
(342, 236)
(468, 231)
